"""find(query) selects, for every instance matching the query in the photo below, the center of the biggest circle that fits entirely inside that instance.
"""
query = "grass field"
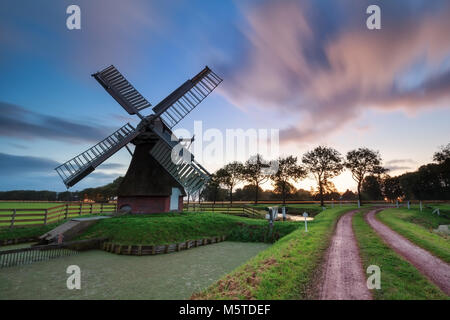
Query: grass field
(399, 279)
(283, 271)
(28, 205)
(37, 213)
(177, 227)
(418, 228)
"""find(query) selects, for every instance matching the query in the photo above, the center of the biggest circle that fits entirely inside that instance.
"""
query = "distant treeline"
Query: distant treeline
(429, 182)
(103, 193)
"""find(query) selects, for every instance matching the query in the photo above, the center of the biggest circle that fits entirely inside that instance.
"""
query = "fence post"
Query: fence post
(101, 208)
(45, 217)
(13, 218)
(66, 214)
(81, 208)
(91, 209)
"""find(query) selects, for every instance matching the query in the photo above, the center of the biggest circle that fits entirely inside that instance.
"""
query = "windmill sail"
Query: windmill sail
(79, 167)
(190, 174)
(121, 90)
(184, 99)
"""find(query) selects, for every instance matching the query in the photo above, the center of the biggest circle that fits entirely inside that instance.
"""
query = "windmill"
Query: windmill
(160, 172)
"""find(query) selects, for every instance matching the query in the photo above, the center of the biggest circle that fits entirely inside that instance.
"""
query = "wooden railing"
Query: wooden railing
(35, 217)
(14, 257)
(235, 209)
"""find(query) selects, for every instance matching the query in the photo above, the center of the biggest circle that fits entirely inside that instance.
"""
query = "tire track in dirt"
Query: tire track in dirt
(343, 275)
(432, 267)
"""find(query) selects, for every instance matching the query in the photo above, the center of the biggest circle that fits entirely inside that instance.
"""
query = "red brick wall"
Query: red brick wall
(180, 204)
(145, 204)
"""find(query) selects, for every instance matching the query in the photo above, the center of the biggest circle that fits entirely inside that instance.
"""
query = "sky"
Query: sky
(310, 69)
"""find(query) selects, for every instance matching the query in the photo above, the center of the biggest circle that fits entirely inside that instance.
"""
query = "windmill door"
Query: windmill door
(174, 199)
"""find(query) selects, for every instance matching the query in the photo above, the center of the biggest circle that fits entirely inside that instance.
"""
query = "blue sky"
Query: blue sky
(308, 68)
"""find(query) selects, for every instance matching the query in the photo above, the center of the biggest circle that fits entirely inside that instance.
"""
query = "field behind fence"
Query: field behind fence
(35, 214)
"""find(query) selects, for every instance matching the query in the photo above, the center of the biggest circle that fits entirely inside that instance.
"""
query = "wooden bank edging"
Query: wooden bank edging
(143, 250)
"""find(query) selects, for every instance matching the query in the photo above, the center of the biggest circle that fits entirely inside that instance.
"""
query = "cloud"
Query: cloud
(18, 122)
(398, 168)
(26, 173)
(13, 165)
(318, 63)
(111, 166)
(397, 161)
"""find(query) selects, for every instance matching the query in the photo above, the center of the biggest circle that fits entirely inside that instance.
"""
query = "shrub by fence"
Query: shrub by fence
(34, 217)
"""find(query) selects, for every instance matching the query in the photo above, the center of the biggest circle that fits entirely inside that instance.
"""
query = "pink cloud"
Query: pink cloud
(359, 68)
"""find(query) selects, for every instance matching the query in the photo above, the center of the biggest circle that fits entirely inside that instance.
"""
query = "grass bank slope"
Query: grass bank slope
(283, 271)
(178, 227)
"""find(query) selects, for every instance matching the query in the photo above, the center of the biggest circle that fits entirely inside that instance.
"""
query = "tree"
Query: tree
(288, 170)
(392, 188)
(443, 154)
(284, 189)
(361, 162)
(323, 163)
(229, 176)
(349, 195)
(371, 188)
(256, 171)
(212, 190)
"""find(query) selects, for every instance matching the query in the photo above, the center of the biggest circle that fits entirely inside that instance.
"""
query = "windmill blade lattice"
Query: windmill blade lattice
(80, 166)
(121, 90)
(184, 99)
(191, 175)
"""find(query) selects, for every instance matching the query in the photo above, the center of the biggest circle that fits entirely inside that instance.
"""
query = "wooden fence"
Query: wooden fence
(234, 209)
(14, 257)
(36, 217)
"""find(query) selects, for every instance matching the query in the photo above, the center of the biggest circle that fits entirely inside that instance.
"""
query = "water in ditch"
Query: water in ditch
(110, 276)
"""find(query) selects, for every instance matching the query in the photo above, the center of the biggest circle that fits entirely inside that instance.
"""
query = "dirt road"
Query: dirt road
(343, 276)
(432, 267)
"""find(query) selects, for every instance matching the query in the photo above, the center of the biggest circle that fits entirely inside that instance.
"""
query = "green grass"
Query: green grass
(26, 232)
(28, 205)
(399, 279)
(283, 271)
(418, 228)
(178, 227)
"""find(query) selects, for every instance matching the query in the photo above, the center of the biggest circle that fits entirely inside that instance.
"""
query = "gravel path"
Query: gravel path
(343, 276)
(432, 267)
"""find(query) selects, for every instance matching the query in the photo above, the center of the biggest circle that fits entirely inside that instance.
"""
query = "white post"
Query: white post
(306, 222)
(408, 205)
(420, 204)
(397, 203)
(359, 204)
(323, 208)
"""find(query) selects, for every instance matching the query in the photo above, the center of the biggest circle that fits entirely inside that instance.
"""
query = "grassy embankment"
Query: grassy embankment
(399, 279)
(26, 232)
(418, 227)
(286, 270)
(177, 227)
